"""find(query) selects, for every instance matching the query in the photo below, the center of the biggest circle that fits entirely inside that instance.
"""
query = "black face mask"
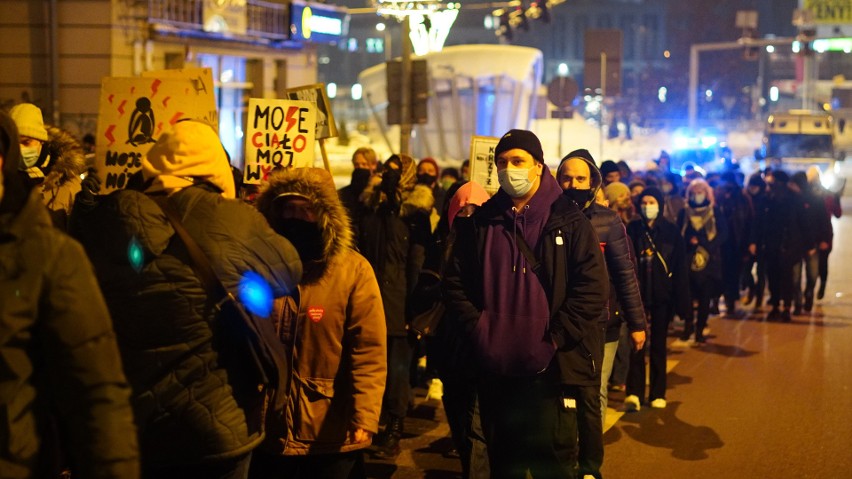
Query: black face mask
(390, 181)
(360, 179)
(426, 179)
(578, 196)
(305, 236)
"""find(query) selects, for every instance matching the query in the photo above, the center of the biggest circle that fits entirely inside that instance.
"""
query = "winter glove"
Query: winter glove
(89, 189)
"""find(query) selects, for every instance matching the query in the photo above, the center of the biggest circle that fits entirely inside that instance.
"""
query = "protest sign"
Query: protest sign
(482, 167)
(201, 79)
(132, 114)
(278, 133)
(316, 93)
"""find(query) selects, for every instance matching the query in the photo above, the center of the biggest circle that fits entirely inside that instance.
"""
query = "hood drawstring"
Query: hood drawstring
(515, 250)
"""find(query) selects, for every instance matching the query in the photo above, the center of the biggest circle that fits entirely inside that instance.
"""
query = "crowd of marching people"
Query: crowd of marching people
(188, 327)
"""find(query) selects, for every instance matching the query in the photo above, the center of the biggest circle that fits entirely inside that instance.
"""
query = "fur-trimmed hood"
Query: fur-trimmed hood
(317, 186)
(67, 158)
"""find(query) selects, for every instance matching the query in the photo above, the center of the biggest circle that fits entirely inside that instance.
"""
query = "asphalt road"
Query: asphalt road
(759, 400)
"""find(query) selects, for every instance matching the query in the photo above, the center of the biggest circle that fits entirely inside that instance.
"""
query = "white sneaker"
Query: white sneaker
(680, 343)
(631, 403)
(658, 403)
(436, 390)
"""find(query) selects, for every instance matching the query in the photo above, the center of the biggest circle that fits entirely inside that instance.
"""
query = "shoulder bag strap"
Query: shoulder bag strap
(657, 252)
(200, 263)
(535, 264)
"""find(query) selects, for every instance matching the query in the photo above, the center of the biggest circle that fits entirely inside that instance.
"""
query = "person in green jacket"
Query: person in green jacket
(62, 388)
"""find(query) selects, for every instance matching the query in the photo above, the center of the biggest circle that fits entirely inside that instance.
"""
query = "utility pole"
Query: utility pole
(405, 107)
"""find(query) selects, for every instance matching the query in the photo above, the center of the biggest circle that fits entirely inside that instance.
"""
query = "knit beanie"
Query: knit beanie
(608, 167)
(614, 190)
(191, 150)
(522, 139)
(29, 120)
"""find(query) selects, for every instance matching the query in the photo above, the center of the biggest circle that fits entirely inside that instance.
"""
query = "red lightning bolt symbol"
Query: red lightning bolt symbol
(166, 101)
(121, 106)
(155, 85)
(108, 134)
(159, 128)
(175, 118)
(111, 97)
(291, 112)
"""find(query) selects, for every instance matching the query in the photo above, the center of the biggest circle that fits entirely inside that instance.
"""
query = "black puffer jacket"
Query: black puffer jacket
(59, 355)
(625, 301)
(185, 407)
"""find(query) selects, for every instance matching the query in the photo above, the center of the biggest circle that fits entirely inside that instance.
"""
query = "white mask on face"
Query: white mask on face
(699, 198)
(30, 155)
(515, 182)
(651, 211)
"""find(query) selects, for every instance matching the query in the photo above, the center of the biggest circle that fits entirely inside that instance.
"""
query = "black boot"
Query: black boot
(389, 447)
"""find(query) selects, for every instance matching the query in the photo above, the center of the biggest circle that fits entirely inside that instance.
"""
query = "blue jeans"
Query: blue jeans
(811, 262)
(606, 370)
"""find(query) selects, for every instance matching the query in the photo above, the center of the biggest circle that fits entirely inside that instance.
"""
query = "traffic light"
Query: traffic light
(393, 81)
(517, 16)
(419, 91)
(419, 88)
(504, 29)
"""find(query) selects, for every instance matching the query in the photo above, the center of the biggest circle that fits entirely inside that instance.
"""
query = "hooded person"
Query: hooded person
(394, 235)
(335, 332)
(527, 282)
(662, 270)
(52, 159)
(197, 415)
(580, 179)
(60, 362)
(704, 229)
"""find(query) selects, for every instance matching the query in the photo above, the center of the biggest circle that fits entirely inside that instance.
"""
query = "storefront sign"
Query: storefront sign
(317, 23)
(834, 12)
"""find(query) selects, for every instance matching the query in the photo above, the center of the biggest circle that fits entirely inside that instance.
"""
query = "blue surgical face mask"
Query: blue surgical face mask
(30, 156)
(515, 182)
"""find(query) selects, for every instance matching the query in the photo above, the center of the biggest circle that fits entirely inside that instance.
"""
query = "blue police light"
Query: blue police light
(135, 254)
(708, 141)
(681, 142)
(255, 294)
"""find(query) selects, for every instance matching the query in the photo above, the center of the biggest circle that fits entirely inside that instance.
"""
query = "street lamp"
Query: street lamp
(381, 27)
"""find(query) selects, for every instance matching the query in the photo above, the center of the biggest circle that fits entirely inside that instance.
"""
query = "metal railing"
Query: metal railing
(266, 20)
